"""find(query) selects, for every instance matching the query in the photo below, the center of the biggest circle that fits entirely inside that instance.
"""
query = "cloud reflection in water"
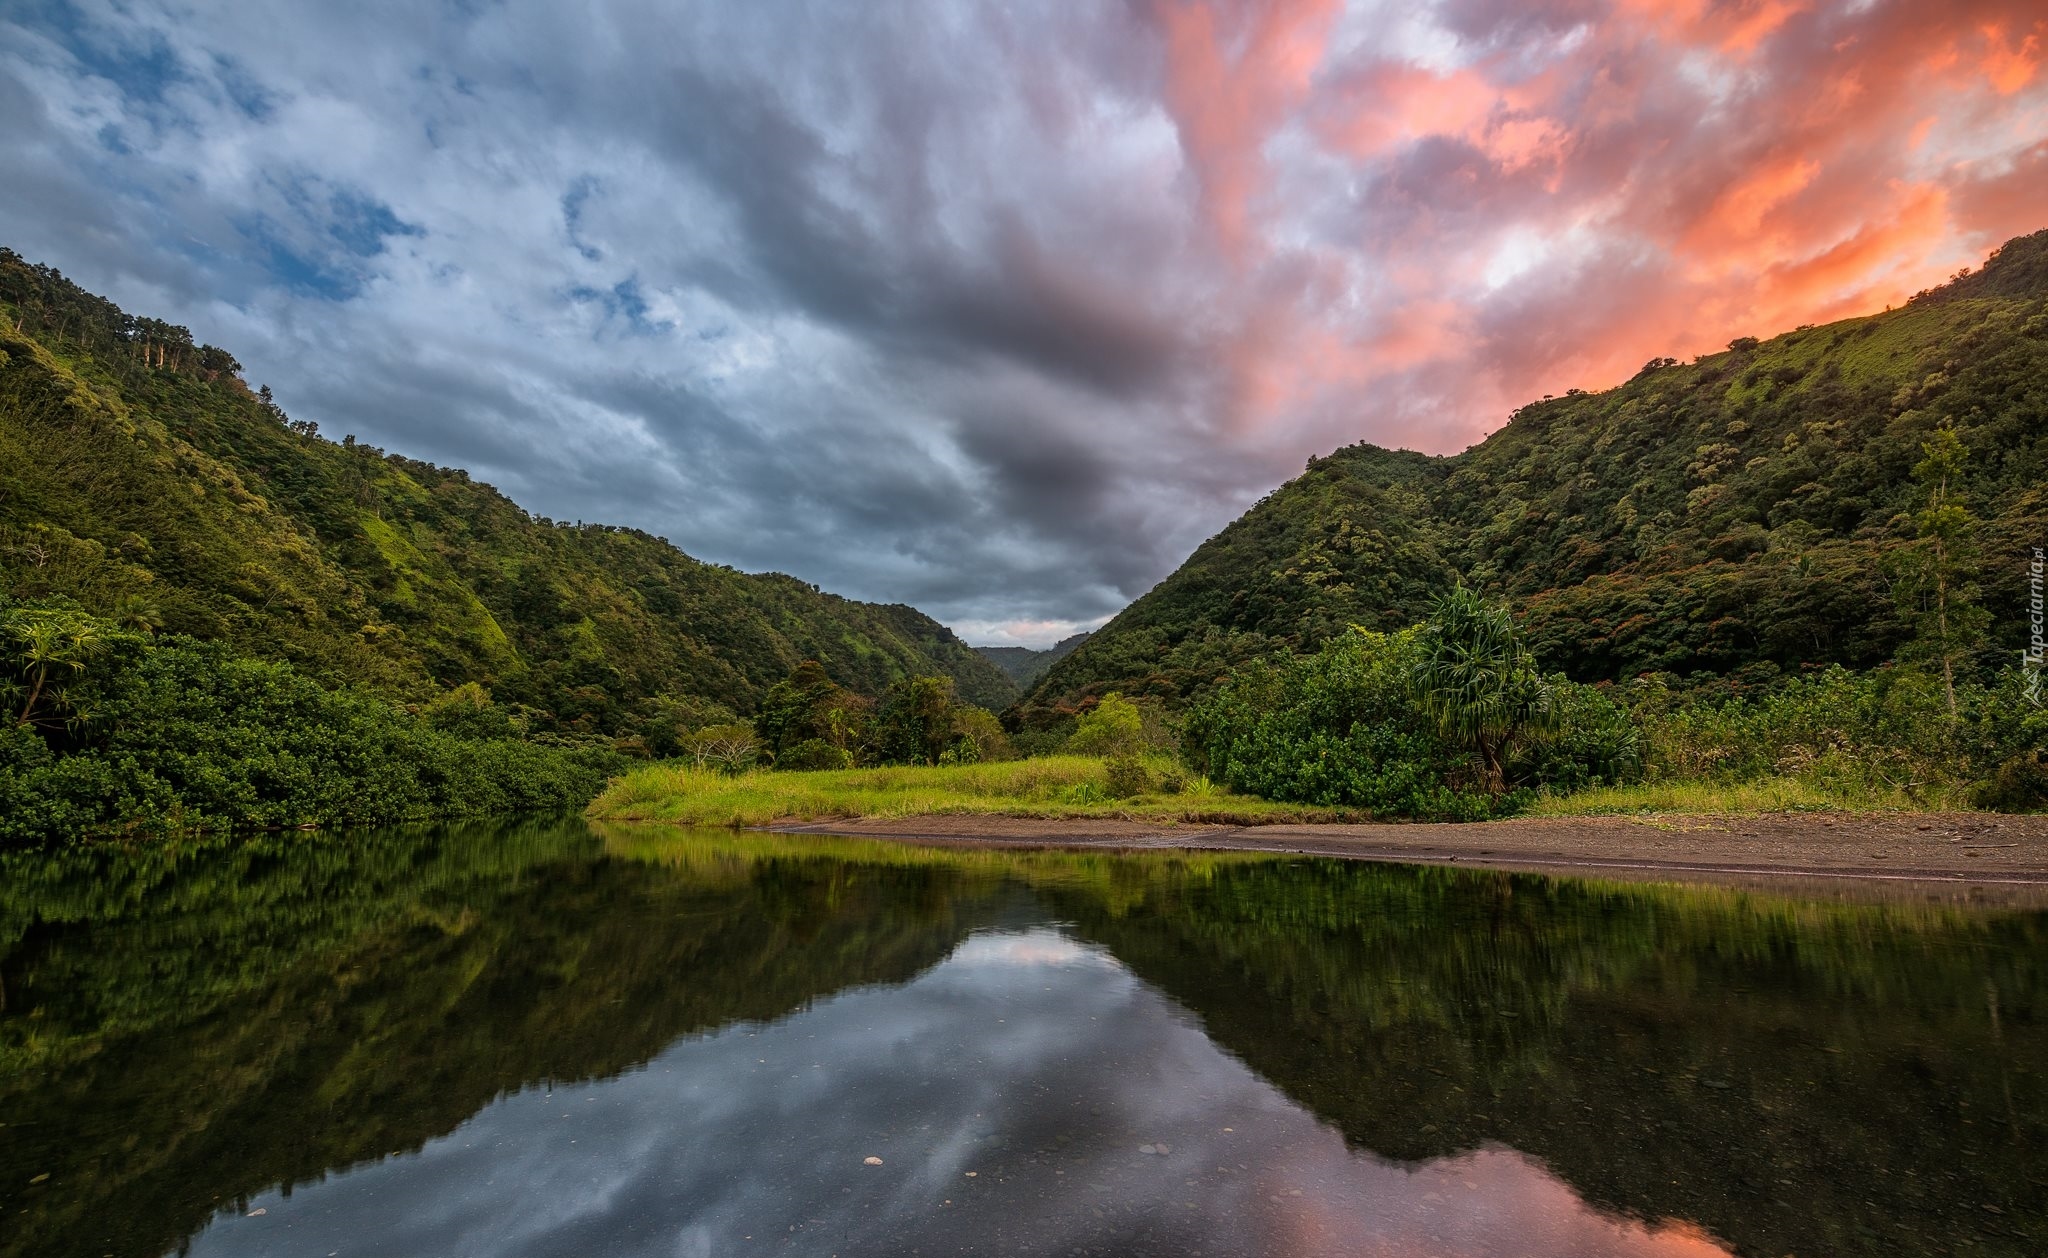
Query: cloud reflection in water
(1038, 1064)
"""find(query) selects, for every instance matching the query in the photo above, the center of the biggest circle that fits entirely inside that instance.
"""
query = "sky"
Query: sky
(995, 309)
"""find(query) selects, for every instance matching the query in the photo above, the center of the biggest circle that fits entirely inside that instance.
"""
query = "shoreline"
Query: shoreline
(1977, 857)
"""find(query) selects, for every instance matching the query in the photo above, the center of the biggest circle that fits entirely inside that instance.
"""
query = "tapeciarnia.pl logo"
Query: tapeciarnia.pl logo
(2037, 645)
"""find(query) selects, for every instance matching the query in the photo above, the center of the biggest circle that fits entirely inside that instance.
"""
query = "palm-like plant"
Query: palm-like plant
(1478, 682)
(138, 613)
(48, 648)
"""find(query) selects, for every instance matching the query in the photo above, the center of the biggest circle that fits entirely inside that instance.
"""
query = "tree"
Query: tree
(808, 709)
(1477, 681)
(1938, 593)
(916, 721)
(48, 651)
(727, 748)
(978, 735)
(1113, 727)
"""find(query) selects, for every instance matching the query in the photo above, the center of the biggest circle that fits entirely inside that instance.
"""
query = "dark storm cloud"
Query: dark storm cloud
(995, 310)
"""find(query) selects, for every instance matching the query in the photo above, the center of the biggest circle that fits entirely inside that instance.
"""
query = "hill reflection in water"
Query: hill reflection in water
(539, 1040)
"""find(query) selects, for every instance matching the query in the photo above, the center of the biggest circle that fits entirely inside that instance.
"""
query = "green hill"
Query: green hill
(1745, 509)
(1023, 665)
(139, 475)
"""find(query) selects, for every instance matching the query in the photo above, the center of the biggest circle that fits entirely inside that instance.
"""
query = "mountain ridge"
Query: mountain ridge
(1738, 512)
(140, 475)
(1024, 665)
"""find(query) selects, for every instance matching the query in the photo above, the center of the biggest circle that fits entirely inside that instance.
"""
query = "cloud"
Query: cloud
(1018, 1095)
(996, 311)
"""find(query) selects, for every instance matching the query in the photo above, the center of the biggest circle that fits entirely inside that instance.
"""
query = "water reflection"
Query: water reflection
(532, 1042)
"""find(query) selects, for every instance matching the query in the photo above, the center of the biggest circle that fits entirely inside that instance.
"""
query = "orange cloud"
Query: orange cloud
(1227, 83)
(1657, 180)
(2010, 64)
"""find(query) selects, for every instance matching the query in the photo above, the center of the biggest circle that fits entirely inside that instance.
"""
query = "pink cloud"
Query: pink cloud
(1562, 192)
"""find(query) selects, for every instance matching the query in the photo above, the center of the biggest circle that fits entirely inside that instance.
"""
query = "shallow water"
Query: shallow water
(537, 1039)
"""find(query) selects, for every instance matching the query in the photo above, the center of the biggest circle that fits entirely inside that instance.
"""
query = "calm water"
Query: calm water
(541, 1040)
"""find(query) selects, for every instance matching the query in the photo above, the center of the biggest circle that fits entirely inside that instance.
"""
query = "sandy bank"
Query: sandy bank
(1950, 855)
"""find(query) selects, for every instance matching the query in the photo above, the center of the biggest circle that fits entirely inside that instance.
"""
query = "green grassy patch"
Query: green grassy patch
(1771, 794)
(1048, 786)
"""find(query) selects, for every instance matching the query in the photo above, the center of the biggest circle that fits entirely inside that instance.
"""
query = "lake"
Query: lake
(541, 1038)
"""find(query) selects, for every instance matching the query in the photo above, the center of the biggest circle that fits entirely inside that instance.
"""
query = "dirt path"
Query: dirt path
(1949, 855)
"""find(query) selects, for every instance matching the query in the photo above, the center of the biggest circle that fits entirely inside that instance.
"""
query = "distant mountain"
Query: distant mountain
(140, 475)
(1738, 510)
(1023, 665)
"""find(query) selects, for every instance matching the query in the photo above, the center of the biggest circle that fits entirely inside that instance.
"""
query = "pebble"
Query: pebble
(871, 1161)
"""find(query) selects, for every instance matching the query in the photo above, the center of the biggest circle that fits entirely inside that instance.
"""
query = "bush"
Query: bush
(814, 753)
(1592, 742)
(1126, 776)
(1336, 729)
(2019, 785)
(1344, 728)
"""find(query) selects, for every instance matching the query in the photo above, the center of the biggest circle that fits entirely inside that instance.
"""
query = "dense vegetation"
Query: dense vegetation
(112, 732)
(1437, 721)
(1023, 665)
(140, 475)
(1752, 515)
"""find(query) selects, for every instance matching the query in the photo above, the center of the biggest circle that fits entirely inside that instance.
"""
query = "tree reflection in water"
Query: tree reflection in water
(536, 1039)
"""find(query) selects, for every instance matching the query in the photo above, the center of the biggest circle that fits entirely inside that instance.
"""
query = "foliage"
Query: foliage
(1880, 735)
(1112, 726)
(142, 478)
(176, 735)
(809, 722)
(914, 724)
(978, 735)
(1937, 591)
(808, 710)
(729, 748)
(1475, 679)
(1741, 509)
(1043, 786)
(1437, 721)
(1337, 728)
(1125, 775)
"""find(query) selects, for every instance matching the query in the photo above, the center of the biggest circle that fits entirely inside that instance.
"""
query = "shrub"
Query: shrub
(1113, 727)
(1337, 728)
(1125, 776)
(814, 753)
(1592, 742)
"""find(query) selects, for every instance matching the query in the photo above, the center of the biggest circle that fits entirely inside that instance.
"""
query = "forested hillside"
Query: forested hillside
(1756, 508)
(140, 476)
(1023, 665)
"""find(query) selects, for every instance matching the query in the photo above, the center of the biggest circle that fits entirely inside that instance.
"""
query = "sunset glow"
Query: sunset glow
(1000, 314)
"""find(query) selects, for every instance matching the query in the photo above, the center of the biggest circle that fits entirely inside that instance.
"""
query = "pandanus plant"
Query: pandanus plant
(46, 649)
(1478, 682)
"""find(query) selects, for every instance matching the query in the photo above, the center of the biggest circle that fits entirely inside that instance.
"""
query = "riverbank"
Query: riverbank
(1955, 849)
(1045, 788)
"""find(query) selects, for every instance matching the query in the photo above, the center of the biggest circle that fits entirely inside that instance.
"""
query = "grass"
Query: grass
(1077, 786)
(1046, 786)
(1772, 794)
